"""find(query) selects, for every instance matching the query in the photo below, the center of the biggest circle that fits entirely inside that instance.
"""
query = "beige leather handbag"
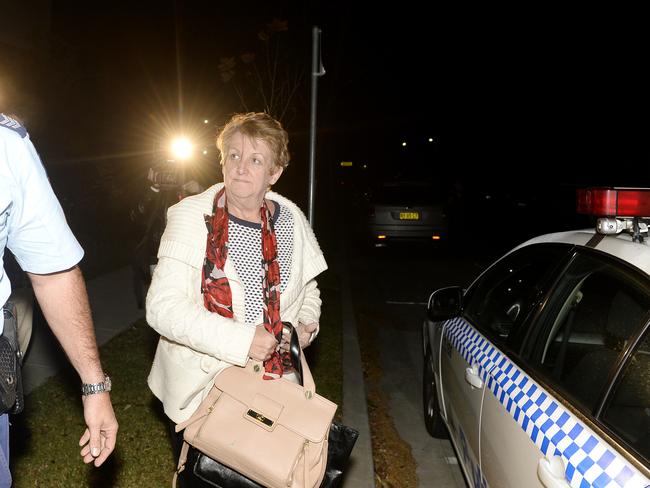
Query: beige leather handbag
(272, 431)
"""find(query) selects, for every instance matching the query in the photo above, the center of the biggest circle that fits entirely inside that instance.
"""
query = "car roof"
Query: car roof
(620, 245)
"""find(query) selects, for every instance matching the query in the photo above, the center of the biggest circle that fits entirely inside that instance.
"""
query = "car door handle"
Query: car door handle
(472, 377)
(551, 472)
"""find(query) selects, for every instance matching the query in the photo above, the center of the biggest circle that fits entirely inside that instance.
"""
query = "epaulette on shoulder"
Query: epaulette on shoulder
(12, 124)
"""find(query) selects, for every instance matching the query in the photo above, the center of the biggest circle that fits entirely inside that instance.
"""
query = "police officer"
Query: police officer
(33, 227)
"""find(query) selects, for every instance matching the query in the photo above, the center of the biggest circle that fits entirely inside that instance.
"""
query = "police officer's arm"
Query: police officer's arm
(64, 302)
(43, 244)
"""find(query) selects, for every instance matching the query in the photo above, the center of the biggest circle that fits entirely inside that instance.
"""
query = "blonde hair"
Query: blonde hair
(257, 125)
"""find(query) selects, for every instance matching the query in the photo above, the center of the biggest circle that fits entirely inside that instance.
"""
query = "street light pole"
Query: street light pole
(316, 71)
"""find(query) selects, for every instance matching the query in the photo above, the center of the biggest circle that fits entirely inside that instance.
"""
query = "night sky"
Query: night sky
(522, 104)
(512, 96)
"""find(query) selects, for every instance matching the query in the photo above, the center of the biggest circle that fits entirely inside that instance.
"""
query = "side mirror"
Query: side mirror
(445, 303)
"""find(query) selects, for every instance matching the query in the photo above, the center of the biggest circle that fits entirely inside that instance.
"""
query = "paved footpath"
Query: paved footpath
(114, 310)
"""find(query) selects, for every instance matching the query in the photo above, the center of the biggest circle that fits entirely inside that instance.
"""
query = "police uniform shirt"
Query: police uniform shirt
(32, 223)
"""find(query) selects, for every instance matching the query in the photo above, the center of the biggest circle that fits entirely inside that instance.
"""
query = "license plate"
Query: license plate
(409, 215)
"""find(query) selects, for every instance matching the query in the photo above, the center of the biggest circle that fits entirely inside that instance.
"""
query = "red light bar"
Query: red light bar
(614, 202)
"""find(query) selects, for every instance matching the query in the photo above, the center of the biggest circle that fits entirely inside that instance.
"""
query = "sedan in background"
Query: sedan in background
(406, 211)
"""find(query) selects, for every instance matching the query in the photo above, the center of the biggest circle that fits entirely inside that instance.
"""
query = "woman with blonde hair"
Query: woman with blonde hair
(234, 262)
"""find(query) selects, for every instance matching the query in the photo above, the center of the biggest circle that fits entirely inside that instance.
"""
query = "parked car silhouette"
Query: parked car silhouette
(406, 211)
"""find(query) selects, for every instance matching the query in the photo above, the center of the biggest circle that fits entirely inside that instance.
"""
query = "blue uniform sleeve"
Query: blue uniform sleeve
(38, 234)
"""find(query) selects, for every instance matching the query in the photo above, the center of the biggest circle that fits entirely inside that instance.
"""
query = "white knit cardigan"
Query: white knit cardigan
(196, 344)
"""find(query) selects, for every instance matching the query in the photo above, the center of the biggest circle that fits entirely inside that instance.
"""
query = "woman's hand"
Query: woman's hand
(263, 345)
(285, 343)
(304, 333)
(304, 336)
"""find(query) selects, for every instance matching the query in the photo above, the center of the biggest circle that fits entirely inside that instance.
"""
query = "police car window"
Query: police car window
(499, 302)
(596, 309)
(628, 412)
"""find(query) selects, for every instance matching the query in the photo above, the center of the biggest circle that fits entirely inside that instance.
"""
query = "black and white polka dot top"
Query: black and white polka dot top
(245, 250)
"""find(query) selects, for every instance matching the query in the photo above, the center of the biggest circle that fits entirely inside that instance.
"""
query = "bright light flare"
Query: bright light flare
(181, 148)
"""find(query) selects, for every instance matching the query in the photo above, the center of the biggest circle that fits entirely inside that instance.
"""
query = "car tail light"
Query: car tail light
(614, 202)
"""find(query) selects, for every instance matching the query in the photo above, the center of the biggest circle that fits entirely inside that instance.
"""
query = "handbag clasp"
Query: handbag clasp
(260, 418)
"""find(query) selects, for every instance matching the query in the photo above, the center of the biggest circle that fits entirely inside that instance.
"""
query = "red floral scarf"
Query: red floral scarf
(217, 296)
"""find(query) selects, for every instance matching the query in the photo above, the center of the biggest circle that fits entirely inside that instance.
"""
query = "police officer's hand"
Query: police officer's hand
(98, 441)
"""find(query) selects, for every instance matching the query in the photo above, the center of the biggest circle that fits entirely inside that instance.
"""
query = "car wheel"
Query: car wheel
(432, 418)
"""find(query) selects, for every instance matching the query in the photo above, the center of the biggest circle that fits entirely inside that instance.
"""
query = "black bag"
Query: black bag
(341, 438)
(340, 442)
(205, 472)
(11, 386)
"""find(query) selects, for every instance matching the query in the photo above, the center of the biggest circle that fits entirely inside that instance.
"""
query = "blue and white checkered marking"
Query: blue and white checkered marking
(554, 430)
(12, 124)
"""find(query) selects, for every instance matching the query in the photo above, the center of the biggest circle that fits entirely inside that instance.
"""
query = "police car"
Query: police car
(539, 372)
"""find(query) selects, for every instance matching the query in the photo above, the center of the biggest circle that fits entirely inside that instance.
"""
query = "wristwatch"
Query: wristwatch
(92, 388)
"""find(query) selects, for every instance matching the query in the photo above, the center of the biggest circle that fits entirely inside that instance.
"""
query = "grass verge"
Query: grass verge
(45, 436)
(394, 462)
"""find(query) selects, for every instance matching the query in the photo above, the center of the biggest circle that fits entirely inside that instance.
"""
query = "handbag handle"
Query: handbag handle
(295, 351)
(298, 361)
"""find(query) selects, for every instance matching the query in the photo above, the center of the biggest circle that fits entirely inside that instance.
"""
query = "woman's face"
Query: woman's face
(247, 168)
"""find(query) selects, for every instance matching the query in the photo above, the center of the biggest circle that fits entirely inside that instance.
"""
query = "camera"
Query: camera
(164, 175)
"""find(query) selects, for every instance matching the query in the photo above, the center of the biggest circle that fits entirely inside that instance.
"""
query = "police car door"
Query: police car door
(540, 424)
(497, 310)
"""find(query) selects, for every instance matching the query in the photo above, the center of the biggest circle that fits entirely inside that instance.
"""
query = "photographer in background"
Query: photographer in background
(166, 186)
(33, 227)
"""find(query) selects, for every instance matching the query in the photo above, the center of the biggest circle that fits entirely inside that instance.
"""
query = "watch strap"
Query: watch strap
(92, 388)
